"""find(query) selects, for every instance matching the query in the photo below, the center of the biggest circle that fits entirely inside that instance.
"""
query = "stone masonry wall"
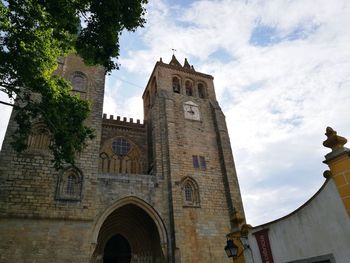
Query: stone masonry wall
(199, 231)
(29, 210)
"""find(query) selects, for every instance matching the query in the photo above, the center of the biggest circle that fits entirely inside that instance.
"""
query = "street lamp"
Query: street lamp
(231, 249)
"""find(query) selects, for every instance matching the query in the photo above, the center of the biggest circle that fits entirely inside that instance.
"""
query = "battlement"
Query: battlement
(122, 121)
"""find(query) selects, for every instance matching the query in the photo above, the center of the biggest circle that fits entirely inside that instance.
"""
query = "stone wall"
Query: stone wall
(35, 218)
(199, 229)
(30, 208)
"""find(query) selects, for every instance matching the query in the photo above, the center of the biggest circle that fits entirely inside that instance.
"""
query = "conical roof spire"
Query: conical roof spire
(174, 61)
(186, 64)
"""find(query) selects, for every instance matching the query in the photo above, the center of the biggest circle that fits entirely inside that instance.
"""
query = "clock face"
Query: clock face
(191, 111)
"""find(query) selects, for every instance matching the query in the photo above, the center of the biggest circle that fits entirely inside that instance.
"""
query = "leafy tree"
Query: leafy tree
(33, 35)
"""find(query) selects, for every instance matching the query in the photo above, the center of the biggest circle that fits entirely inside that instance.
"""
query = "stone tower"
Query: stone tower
(190, 148)
(164, 190)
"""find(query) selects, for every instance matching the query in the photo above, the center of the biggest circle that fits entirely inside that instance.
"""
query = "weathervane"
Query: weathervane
(174, 50)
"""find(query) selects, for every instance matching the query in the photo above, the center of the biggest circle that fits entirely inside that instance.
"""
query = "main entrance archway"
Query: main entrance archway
(117, 250)
(130, 231)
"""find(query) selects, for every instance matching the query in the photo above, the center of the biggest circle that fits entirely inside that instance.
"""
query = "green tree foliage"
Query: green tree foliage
(33, 35)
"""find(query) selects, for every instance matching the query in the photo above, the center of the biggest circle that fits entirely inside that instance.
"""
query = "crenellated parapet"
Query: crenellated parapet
(121, 122)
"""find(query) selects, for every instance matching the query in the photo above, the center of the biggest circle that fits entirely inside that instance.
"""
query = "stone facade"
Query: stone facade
(164, 190)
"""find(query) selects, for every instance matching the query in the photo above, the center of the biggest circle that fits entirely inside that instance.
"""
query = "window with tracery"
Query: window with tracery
(39, 137)
(120, 155)
(69, 184)
(189, 88)
(190, 192)
(79, 81)
(121, 146)
(176, 85)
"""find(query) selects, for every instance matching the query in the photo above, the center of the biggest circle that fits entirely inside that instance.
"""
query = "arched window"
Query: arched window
(39, 137)
(201, 91)
(104, 162)
(154, 86)
(79, 81)
(190, 192)
(176, 85)
(70, 185)
(120, 155)
(189, 89)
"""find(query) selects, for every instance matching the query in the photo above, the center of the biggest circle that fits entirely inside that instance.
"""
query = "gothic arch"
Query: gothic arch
(79, 81)
(69, 184)
(39, 137)
(190, 192)
(127, 201)
(114, 162)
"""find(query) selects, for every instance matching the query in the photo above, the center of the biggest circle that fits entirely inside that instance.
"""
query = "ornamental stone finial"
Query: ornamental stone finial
(333, 140)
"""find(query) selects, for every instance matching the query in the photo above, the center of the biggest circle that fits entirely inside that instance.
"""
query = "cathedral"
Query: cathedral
(163, 189)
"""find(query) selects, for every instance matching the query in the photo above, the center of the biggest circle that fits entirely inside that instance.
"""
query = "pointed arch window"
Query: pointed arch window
(39, 137)
(190, 193)
(189, 88)
(79, 81)
(120, 155)
(176, 85)
(69, 184)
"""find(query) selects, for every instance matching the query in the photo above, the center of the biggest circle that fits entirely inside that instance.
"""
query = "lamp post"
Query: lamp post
(231, 249)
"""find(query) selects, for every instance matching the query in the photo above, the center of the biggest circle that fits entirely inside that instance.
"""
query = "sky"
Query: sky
(282, 75)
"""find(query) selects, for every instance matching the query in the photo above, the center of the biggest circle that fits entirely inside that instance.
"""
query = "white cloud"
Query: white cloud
(278, 98)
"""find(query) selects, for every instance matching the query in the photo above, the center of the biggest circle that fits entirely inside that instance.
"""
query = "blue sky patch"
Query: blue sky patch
(254, 86)
(301, 32)
(264, 35)
(222, 55)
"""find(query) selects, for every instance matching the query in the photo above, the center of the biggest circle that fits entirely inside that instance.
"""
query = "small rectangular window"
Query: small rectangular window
(195, 161)
(202, 162)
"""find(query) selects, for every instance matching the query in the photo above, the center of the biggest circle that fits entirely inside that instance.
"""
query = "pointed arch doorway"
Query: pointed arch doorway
(128, 232)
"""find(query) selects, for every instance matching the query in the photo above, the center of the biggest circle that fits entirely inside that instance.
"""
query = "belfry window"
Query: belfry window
(189, 89)
(201, 91)
(176, 85)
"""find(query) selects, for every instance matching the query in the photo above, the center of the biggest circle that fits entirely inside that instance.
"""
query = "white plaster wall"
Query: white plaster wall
(321, 227)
